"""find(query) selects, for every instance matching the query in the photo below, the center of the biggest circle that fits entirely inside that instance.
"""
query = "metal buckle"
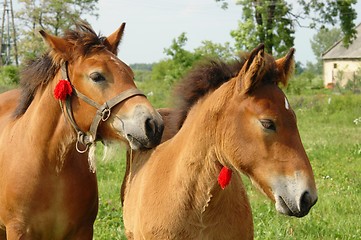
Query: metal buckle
(80, 140)
(105, 114)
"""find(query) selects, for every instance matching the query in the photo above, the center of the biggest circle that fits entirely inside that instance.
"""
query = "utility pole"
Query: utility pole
(8, 36)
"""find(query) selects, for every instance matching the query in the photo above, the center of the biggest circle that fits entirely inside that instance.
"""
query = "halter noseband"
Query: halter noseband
(103, 111)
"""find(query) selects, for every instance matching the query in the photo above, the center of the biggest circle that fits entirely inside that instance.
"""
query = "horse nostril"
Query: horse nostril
(306, 202)
(150, 127)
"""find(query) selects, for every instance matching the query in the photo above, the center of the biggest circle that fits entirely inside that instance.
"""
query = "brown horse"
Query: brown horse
(243, 123)
(47, 188)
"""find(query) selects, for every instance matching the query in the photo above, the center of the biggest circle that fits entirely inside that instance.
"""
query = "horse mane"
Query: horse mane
(204, 78)
(41, 71)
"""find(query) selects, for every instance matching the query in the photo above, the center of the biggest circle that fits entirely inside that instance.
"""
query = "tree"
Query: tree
(272, 21)
(168, 71)
(54, 16)
(323, 12)
(217, 50)
(322, 41)
(265, 21)
(181, 57)
(181, 60)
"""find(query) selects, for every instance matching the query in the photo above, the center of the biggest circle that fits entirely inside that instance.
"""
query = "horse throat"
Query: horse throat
(198, 175)
(55, 137)
(201, 163)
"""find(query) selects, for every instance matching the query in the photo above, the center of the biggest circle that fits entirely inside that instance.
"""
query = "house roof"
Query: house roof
(338, 51)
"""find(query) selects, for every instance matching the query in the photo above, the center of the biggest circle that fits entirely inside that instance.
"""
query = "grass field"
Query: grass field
(332, 139)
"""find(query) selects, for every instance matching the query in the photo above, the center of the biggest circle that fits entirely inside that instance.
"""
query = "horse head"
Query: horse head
(260, 117)
(105, 102)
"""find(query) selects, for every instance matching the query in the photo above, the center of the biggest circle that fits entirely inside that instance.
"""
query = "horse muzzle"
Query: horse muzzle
(143, 129)
(294, 196)
(298, 207)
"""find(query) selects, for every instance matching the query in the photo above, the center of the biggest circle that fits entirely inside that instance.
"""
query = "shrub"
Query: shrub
(9, 75)
(304, 83)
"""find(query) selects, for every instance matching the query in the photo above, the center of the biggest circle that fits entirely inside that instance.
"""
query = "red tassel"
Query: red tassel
(62, 89)
(224, 177)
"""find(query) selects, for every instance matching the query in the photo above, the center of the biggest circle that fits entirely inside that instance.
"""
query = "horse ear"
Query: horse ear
(286, 66)
(252, 71)
(59, 46)
(113, 40)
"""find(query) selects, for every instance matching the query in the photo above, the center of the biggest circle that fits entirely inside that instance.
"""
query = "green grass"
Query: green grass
(333, 143)
(109, 222)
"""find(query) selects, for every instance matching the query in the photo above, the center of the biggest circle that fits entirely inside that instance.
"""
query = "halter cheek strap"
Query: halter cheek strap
(102, 114)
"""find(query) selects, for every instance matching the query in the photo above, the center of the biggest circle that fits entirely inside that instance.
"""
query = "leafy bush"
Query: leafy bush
(142, 75)
(354, 85)
(304, 83)
(9, 75)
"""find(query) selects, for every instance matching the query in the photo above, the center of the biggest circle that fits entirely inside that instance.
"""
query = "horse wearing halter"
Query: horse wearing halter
(102, 114)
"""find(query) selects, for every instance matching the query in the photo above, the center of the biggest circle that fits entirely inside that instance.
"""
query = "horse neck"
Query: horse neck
(199, 134)
(46, 125)
(199, 162)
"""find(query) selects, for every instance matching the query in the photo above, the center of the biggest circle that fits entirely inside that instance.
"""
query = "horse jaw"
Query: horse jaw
(293, 195)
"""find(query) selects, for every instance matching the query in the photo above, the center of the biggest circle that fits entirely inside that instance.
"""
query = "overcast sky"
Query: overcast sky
(151, 25)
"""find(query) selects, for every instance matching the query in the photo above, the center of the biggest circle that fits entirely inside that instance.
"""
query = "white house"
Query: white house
(341, 64)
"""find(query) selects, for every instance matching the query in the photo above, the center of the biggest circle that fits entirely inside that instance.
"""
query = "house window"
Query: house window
(335, 65)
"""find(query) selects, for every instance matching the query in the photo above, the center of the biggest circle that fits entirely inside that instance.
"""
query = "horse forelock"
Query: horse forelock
(83, 41)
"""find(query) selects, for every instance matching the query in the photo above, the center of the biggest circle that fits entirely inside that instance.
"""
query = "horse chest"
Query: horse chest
(48, 203)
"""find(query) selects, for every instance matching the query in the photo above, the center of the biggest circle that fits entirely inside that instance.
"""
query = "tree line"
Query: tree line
(272, 22)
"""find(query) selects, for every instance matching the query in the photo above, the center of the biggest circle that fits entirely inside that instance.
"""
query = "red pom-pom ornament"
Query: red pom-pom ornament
(62, 89)
(224, 177)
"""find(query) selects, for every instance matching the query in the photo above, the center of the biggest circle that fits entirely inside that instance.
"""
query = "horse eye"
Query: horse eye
(268, 124)
(96, 77)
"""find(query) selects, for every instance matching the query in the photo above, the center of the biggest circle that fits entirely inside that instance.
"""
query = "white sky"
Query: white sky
(153, 24)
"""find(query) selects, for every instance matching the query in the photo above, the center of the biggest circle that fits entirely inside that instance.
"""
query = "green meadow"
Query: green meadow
(330, 128)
